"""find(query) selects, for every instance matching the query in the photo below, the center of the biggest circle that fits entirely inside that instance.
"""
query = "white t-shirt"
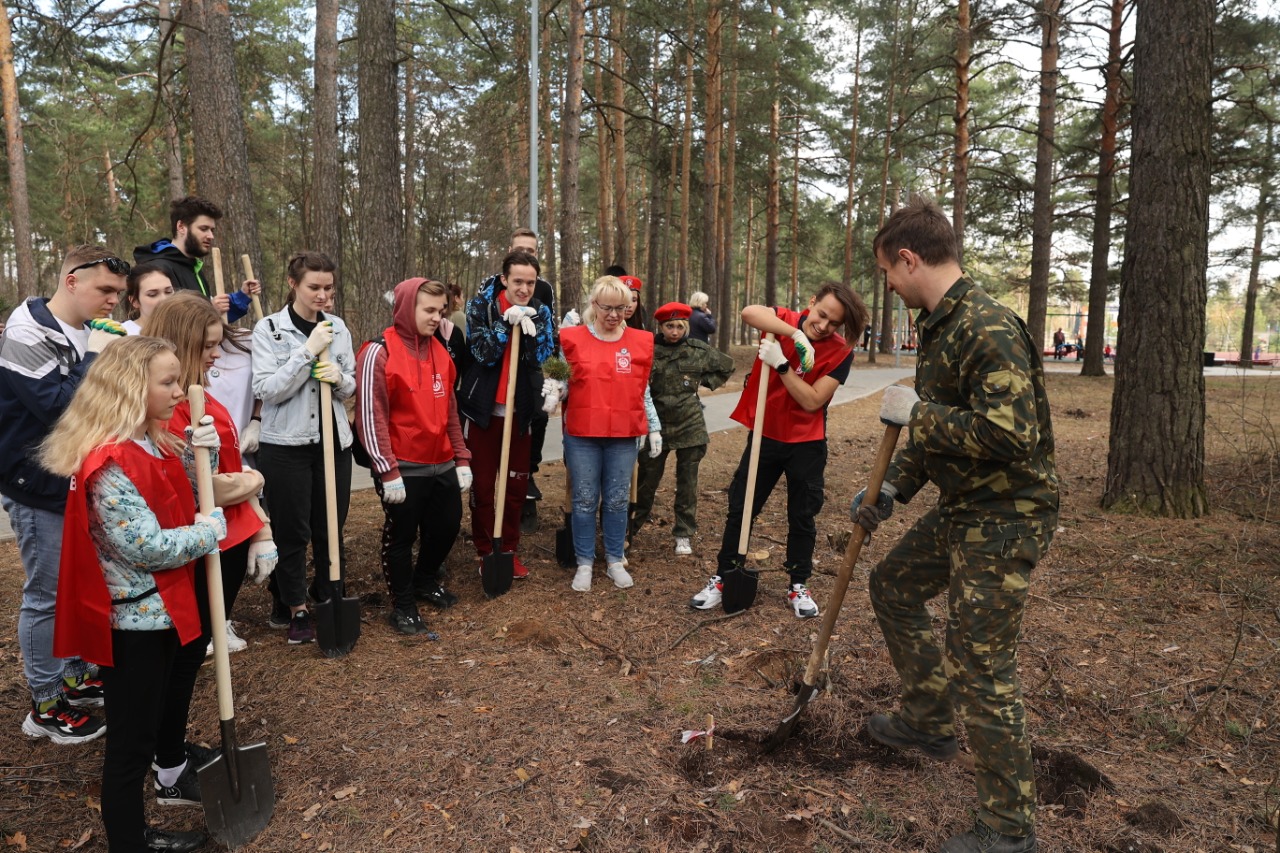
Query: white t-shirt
(132, 327)
(79, 337)
(231, 382)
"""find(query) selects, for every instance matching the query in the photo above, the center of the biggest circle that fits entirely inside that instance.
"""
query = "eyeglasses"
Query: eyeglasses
(117, 266)
(612, 309)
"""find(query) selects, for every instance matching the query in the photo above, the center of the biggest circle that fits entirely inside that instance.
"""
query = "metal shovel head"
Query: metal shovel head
(497, 571)
(529, 517)
(739, 588)
(337, 625)
(804, 696)
(565, 555)
(237, 794)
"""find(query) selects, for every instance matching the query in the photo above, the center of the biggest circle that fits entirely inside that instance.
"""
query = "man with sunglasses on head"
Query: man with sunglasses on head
(194, 221)
(44, 352)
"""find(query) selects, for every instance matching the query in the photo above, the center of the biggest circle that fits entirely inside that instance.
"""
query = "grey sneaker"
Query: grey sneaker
(984, 839)
(890, 730)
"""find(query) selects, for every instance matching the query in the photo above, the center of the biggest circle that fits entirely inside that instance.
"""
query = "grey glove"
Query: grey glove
(896, 407)
(870, 516)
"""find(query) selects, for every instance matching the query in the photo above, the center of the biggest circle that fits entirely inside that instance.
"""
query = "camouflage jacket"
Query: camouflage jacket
(677, 372)
(983, 433)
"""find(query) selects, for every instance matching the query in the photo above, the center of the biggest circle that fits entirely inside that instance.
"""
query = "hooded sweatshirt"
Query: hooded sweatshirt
(188, 273)
(423, 376)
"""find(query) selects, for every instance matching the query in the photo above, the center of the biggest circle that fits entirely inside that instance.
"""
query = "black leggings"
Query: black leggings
(431, 516)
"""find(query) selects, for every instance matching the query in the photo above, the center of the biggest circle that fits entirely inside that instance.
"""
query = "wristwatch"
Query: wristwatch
(782, 368)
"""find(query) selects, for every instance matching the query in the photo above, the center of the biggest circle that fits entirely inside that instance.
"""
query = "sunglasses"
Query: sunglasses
(117, 266)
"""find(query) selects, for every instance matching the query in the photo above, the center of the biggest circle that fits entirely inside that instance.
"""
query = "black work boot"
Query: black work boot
(984, 839)
(890, 730)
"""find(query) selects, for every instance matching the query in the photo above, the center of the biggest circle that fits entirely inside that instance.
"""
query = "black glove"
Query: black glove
(869, 517)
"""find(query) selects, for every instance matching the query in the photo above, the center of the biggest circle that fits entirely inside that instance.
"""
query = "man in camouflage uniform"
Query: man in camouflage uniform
(680, 366)
(979, 429)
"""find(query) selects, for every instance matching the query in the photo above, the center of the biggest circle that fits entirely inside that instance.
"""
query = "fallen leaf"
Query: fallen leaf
(18, 839)
(290, 740)
(386, 833)
(521, 774)
(597, 615)
(583, 823)
(312, 811)
(483, 709)
(805, 814)
(343, 793)
(325, 845)
(94, 803)
(84, 839)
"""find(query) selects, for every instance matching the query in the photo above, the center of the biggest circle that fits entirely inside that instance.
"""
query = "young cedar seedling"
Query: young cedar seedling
(556, 368)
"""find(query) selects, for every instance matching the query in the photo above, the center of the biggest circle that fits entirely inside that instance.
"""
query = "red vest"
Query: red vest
(784, 418)
(418, 396)
(607, 381)
(242, 521)
(82, 620)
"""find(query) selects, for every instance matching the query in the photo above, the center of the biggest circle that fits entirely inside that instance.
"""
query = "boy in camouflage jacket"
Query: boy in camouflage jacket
(680, 366)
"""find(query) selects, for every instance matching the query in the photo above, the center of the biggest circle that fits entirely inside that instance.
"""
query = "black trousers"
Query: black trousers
(295, 501)
(431, 516)
(803, 463)
(146, 716)
(537, 437)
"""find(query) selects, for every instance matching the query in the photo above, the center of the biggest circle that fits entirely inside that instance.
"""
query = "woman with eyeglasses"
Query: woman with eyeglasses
(607, 417)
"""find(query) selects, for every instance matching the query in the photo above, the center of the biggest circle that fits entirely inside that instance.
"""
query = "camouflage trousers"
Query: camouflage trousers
(686, 504)
(985, 568)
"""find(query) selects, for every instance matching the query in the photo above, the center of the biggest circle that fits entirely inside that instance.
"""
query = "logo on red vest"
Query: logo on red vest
(622, 361)
(437, 385)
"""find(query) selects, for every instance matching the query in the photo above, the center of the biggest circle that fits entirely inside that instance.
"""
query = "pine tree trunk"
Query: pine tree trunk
(222, 151)
(380, 209)
(850, 201)
(604, 186)
(19, 200)
(1100, 266)
(753, 261)
(773, 189)
(622, 249)
(325, 209)
(960, 178)
(712, 141)
(1155, 462)
(1042, 206)
(686, 165)
(657, 225)
(172, 146)
(1261, 211)
(548, 244)
(727, 295)
(793, 294)
(570, 125)
(410, 171)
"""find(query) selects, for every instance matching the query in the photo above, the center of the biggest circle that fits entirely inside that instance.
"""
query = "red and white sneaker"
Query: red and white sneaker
(519, 570)
(63, 723)
(801, 602)
(710, 595)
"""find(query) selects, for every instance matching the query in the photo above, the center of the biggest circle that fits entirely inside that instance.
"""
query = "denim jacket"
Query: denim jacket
(282, 381)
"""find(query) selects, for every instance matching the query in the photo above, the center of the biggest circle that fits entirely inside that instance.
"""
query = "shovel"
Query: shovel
(565, 554)
(809, 688)
(739, 582)
(235, 788)
(219, 288)
(338, 619)
(248, 274)
(497, 570)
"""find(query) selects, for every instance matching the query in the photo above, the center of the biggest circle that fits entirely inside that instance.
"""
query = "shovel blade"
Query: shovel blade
(739, 588)
(565, 555)
(337, 625)
(497, 571)
(238, 795)
(788, 725)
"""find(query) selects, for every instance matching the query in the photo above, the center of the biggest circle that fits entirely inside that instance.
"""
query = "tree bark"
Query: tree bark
(793, 294)
(548, 244)
(686, 165)
(727, 299)
(1042, 200)
(1261, 211)
(325, 209)
(1155, 462)
(172, 143)
(960, 177)
(19, 200)
(410, 171)
(711, 144)
(622, 248)
(850, 201)
(773, 190)
(380, 208)
(658, 225)
(604, 187)
(1100, 265)
(570, 124)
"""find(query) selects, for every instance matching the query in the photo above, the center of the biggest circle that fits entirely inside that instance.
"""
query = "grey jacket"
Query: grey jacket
(282, 381)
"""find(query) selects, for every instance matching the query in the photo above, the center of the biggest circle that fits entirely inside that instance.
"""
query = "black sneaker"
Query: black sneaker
(184, 792)
(890, 730)
(280, 616)
(198, 755)
(300, 629)
(434, 594)
(533, 493)
(173, 842)
(984, 839)
(409, 623)
(85, 693)
(63, 723)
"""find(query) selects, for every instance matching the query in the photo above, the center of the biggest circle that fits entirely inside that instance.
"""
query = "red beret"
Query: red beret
(631, 281)
(673, 311)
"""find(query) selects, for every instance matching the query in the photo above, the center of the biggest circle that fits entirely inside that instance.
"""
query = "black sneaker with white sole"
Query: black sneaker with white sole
(86, 692)
(183, 792)
(63, 723)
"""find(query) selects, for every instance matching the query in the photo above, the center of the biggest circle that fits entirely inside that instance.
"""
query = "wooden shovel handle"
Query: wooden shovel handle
(883, 456)
(506, 432)
(212, 565)
(330, 477)
(753, 464)
(219, 288)
(248, 274)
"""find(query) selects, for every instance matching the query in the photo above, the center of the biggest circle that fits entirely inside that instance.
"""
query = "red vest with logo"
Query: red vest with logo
(418, 395)
(242, 521)
(82, 621)
(607, 381)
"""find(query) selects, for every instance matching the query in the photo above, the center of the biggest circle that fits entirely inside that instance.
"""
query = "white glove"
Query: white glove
(250, 437)
(655, 445)
(464, 478)
(103, 331)
(203, 435)
(553, 391)
(263, 557)
(804, 349)
(571, 319)
(895, 408)
(217, 520)
(320, 338)
(771, 354)
(393, 491)
(326, 371)
(523, 315)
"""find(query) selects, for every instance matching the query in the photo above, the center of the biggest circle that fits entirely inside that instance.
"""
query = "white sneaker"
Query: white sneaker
(618, 574)
(683, 548)
(234, 642)
(710, 596)
(801, 602)
(582, 579)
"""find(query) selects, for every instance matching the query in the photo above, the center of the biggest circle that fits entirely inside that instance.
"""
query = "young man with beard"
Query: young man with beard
(194, 221)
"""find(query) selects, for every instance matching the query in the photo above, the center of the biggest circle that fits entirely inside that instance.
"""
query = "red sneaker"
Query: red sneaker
(521, 571)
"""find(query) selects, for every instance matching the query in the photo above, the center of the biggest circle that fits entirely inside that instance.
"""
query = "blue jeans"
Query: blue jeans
(39, 533)
(599, 467)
